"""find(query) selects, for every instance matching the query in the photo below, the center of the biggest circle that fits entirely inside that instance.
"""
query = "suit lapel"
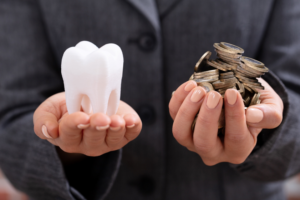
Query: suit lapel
(149, 10)
(166, 6)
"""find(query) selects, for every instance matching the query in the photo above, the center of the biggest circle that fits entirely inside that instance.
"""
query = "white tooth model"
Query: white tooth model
(92, 77)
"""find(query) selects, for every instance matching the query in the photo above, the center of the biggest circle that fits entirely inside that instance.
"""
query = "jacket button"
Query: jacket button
(147, 114)
(147, 42)
(145, 185)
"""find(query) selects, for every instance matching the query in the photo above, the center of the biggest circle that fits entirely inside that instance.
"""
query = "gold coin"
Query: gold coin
(247, 73)
(254, 99)
(220, 48)
(240, 87)
(251, 69)
(207, 79)
(191, 78)
(216, 65)
(206, 56)
(228, 66)
(232, 47)
(230, 55)
(247, 101)
(255, 64)
(233, 60)
(206, 73)
(207, 86)
(255, 87)
(224, 83)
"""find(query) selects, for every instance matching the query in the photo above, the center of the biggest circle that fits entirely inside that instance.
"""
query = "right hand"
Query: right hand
(91, 135)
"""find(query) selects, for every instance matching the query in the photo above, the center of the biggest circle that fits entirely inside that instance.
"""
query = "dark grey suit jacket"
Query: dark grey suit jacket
(161, 43)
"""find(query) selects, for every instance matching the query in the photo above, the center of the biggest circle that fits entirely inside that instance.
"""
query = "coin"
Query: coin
(220, 48)
(230, 60)
(254, 99)
(206, 73)
(228, 66)
(254, 64)
(207, 79)
(230, 55)
(205, 56)
(240, 87)
(227, 75)
(232, 47)
(216, 65)
(207, 86)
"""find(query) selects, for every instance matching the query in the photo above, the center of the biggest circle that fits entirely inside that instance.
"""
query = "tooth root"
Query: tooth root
(86, 104)
(73, 101)
(99, 101)
(113, 102)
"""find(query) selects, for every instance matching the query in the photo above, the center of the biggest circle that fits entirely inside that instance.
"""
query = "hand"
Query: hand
(91, 135)
(241, 128)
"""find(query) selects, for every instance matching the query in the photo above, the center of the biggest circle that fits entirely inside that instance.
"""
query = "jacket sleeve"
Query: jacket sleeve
(277, 154)
(28, 75)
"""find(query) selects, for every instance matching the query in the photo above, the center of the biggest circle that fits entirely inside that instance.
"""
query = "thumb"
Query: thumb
(46, 116)
(45, 124)
(268, 114)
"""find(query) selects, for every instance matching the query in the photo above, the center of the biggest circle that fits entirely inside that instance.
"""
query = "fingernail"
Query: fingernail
(231, 96)
(212, 100)
(196, 96)
(45, 132)
(190, 86)
(102, 128)
(115, 128)
(83, 126)
(131, 126)
(254, 115)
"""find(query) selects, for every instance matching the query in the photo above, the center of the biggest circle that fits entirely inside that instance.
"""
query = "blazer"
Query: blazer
(161, 42)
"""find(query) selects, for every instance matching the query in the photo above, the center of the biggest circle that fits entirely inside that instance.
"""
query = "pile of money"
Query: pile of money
(231, 70)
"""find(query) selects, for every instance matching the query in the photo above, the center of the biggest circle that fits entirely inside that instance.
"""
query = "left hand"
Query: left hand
(241, 127)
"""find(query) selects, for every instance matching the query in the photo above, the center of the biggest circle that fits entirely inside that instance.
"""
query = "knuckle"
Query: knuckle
(184, 113)
(115, 139)
(204, 148)
(204, 120)
(236, 138)
(234, 115)
(177, 134)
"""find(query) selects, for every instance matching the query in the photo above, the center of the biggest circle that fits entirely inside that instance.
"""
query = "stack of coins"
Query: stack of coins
(232, 71)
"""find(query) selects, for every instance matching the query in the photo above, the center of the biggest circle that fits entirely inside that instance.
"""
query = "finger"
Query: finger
(238, 141)
(179, 95)
(268, 114)
(93, 141)
(133, 126)
(206, 140)
(264, 116)
(45, 125)
(46, 116)
(116, 132)
(185, 117)
(70, 130)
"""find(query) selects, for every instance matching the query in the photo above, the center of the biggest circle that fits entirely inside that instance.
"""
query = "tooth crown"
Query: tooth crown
(92, 77)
